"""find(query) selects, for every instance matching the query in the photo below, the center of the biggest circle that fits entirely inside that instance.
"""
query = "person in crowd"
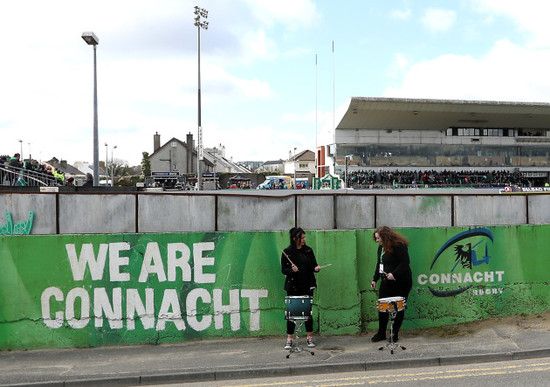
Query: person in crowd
(14, 161)
(89, 180)
(394, 271)
(299, 265)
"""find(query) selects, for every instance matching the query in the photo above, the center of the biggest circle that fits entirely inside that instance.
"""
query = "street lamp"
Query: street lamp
(92, 40)
(106, 163)
(294, 168)
(199, 13)
(112, 166)
(21, 152)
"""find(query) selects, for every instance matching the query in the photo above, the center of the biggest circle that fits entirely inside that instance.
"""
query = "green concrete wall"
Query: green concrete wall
(119, 289)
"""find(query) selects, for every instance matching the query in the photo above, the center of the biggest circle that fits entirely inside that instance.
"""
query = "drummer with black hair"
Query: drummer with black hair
(394, 271)
(299, 265)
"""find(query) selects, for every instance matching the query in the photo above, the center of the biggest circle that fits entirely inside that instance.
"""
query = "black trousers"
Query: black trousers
(388, 289)
(290, 326)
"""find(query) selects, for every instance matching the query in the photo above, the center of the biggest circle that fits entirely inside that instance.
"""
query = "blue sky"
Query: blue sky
(262, 92)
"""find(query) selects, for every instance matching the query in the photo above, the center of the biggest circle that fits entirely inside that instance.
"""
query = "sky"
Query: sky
(272, 72)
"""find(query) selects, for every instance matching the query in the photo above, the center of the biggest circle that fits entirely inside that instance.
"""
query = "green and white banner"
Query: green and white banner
(94, 290)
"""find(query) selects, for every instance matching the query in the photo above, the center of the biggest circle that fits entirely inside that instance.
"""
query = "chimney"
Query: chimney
(189, 143)
(156, 141)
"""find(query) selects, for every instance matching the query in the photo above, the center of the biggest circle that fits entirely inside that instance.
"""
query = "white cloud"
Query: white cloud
(400, 65)
(401, 14)
(437, 20)
(508, 72)
(291, 13)
(531, 16)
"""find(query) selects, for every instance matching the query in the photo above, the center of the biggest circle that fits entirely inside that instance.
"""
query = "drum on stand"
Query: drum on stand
(298, 307)
(298, 310)
(391, 303)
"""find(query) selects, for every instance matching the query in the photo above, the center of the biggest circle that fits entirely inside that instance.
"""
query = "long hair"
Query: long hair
(389, 238)
(295, 234)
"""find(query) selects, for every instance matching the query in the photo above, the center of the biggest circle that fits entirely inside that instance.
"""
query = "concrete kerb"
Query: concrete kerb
(531, 354)
(274, 371)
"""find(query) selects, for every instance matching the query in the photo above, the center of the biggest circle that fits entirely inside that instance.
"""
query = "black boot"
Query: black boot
(382, 325)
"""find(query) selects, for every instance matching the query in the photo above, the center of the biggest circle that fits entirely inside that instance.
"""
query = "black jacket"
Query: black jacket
(302, 282)
(397, 263)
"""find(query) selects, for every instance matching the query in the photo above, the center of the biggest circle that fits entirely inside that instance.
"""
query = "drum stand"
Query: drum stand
(299, 322)
(392, 345)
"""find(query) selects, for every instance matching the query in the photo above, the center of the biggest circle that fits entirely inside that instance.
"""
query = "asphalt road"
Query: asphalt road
(531, 372)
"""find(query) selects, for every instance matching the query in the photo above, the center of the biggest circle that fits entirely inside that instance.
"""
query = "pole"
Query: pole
(294, 168)
(96, 144)
(106, 164)
(199, 129)
(316, 143)
(113, 166)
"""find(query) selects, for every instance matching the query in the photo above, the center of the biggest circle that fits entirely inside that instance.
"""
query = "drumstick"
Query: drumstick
(327, 265)
(292, 263)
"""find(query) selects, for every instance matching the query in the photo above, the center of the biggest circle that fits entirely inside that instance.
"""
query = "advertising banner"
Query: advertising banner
(92, 290)
(469, 274)
(121, 289)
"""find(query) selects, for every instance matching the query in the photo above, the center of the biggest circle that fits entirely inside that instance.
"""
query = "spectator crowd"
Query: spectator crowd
(14, 171)
(432, 178)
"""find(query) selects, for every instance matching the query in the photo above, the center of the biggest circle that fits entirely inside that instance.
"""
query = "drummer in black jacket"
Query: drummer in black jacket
(394, 271)
(299, 265)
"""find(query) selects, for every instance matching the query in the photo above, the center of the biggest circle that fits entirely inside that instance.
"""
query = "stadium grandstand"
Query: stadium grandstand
(446, 138)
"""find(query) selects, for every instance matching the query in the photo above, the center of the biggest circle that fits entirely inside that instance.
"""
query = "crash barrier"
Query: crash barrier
(15, 176)
(121, 289)
(145, 212)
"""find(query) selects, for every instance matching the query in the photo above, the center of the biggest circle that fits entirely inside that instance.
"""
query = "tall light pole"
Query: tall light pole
(199, 13)
(106, 163)
(21, 152)
(112, 166)
(92, 40)
(294, 168)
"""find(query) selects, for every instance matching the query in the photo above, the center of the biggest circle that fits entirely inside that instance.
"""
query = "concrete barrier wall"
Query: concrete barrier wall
(250, 213)
(414, 211)
(491, 210)
(20, 206)
(152, 288)
(176, 213)
(539, 209)
(355, 211)
(92, 214)
(70, 213)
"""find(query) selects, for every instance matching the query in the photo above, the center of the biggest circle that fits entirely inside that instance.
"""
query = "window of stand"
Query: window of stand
(478, 132)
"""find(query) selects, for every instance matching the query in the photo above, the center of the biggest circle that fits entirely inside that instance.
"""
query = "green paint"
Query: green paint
(219, 289)
(20, 228)
(429, 202)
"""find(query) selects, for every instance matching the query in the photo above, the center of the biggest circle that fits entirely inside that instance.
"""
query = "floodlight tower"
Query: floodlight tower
(200, 13)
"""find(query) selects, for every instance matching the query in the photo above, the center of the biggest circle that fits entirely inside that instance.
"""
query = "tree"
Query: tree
(145, 165)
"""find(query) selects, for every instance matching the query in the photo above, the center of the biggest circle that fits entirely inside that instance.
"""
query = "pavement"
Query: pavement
(510, 338)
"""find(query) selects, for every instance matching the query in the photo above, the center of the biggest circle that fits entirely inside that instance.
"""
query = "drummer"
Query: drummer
(394, 271)
(299, 265)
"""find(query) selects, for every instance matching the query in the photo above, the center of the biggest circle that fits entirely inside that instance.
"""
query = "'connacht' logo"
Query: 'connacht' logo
(461, 254)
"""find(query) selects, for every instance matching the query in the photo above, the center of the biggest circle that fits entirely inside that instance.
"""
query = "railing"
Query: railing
(22, 176)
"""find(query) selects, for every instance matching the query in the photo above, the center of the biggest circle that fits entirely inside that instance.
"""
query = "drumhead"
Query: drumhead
(391, 299)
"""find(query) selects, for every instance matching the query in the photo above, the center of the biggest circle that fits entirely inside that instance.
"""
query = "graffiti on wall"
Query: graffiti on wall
(23, 227)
